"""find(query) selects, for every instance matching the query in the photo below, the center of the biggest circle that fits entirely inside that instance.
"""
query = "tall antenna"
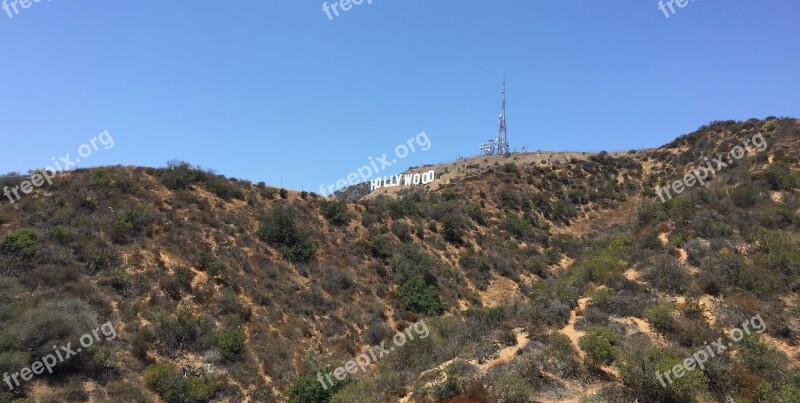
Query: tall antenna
(502, 139)
(499, 145)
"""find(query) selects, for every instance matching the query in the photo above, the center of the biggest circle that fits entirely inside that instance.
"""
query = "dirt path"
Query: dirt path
(633, 275)
(599, 219)
(504, 356)
(592, 389)
(570, 331)
(507, 354)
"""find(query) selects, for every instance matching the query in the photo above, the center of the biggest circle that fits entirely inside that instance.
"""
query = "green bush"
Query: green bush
(638, 368)
(778, 392)
(21, 242)
(223, 188)
(231, 343)
(335, 212)
(121, 391)
(302, 251)
(477, 268)
(132, 222)
(779, 251)
(511, 387)
(119, 278)
(61, 234)
(452, 228)
(744, 195)
(365, 390)
(667, 275)
(394, 208)
(758, 356)
(476, 213)
(598, 344)
(409, 260)
(308, 389)
(231, 305)
(518, 226)
(279, 227)
(183, 330)
(508, 198)
(210, 264)
(401, 230)
(280, 230)
(51, 323)
(456, 382)
(376, 245)
(606, 258)
(561, 356)
(730, 271)
(179, 175)
(510, 167)
(2, 218)
(561, 211)
(170, 384)
(603, 296)
(780, 176)
(661, 316)
(419, 297)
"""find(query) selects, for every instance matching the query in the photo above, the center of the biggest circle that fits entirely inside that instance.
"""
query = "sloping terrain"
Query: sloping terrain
(549, 277)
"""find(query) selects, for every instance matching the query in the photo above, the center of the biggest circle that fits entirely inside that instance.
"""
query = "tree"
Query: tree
(231, 343)
(309, 390)
(279, 230)
(598, 344)
(335, 212)
(452, 228)
(419, 297)
(20, 242)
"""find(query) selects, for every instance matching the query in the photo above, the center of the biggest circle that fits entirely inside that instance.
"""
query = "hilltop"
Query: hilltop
(547, 277)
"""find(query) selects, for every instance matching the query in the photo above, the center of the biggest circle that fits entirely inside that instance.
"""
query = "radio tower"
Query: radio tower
(498, 145)
(502, 139)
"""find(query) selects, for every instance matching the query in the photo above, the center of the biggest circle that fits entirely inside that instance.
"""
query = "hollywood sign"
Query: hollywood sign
(403, 180)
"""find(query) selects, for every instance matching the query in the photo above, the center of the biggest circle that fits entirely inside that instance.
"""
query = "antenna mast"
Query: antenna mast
(502, 139)
(499, 145)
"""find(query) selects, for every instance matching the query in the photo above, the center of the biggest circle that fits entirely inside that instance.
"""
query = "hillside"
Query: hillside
(544, 277)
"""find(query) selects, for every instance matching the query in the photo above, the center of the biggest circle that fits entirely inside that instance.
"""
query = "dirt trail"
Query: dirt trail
(600, 219)
(575, 389)
(683, 257)
(504, 356)
(507, 354)
(581, 391)
(633, 275)
(641, 327)
(570, 331)
(789, 350)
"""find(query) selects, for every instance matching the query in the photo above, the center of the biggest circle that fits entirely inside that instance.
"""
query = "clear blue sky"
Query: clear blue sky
(269, 89)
